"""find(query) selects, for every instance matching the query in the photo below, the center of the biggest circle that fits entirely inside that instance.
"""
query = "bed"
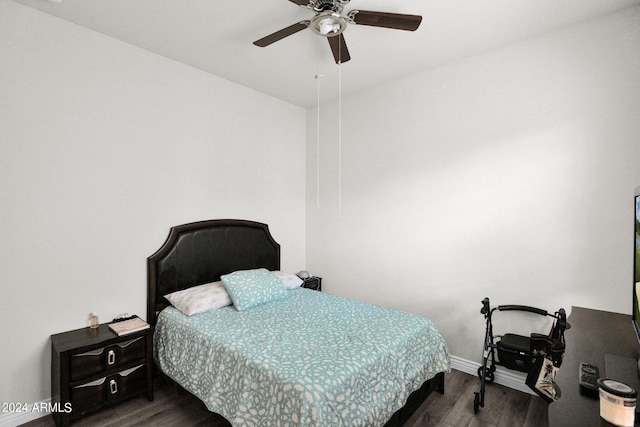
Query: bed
(303, 358)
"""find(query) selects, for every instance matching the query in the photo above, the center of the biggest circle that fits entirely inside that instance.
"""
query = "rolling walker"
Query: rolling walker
(538, 355)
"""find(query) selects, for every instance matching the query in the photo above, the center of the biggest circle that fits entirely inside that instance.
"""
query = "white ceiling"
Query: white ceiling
(217, 36)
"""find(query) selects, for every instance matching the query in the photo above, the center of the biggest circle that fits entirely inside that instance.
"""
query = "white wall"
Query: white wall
(508, 175)
(103, 148)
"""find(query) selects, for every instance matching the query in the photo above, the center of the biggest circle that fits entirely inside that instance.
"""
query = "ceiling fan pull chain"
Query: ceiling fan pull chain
(318, 146)
(340, 139)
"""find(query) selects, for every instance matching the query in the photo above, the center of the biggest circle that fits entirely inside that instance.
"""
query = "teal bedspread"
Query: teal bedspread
(311, 360)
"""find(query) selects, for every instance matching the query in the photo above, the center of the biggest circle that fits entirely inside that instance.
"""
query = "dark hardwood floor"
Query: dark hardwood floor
(172, 407)
(503, 406)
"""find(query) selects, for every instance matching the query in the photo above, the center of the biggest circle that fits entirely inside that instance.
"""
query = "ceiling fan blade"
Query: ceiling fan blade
(395, 21)
(300, 2)
(279, 35)
(339, 49)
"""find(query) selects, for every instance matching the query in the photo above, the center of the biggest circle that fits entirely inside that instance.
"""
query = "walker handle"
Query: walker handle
(522, 308)
(486, 308)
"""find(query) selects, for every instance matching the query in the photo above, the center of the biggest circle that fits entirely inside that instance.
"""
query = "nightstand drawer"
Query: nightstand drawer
(124, 383)
(94, 362)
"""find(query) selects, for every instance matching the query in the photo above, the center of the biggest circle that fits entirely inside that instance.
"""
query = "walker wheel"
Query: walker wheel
(476, 403)
(488, 375)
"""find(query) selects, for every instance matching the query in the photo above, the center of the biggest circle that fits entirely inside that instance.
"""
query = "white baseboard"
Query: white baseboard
(24, 415)
(505, 377)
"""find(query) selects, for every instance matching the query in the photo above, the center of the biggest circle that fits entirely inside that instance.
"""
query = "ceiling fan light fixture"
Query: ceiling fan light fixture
(328, 24)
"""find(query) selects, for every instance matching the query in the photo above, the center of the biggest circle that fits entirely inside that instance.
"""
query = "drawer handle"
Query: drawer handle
(113, 386)
(111, 357)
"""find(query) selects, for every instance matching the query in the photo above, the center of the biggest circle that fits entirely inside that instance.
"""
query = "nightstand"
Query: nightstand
(313, 282)
(95, 368)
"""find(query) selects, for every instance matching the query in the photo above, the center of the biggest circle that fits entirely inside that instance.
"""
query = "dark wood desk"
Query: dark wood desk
(593, 335)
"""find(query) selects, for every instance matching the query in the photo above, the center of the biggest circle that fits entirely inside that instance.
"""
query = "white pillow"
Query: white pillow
(199, 299)
(291, 281)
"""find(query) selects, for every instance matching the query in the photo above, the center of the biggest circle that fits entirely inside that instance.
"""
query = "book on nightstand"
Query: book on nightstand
(128, 326)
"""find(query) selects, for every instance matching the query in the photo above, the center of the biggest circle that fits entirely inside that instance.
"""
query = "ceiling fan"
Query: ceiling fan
(329, 21)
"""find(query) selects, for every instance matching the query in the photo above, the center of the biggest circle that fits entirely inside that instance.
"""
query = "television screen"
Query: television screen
(636, 267)
(636, 264)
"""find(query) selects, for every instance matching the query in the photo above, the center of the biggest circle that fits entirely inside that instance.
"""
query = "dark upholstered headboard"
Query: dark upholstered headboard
(201, 252)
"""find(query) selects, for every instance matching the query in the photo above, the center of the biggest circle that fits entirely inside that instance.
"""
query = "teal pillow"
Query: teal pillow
(249, 288)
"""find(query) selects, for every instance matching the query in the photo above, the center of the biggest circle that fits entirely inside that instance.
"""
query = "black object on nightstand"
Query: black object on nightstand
(313, 282)
(95, 368)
